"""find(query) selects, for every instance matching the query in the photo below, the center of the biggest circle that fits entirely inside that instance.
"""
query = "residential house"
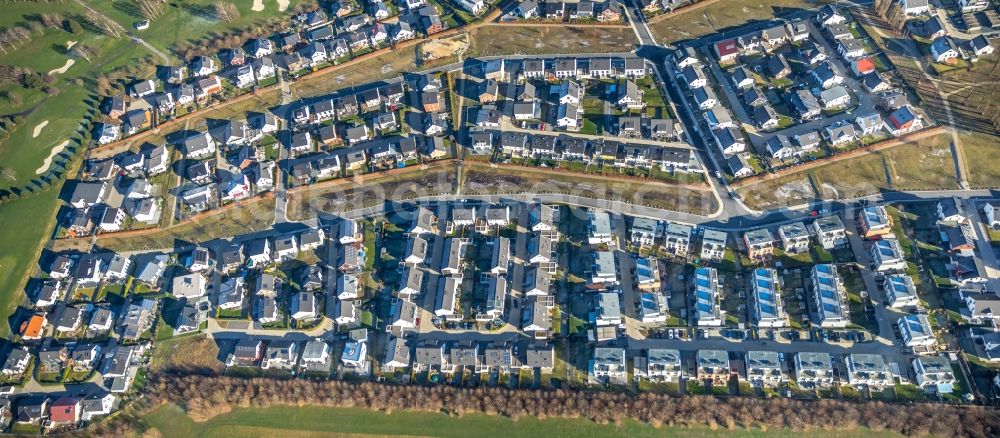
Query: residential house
(764, 368)
(659, 365)
(835, 97)
(249, 352)
(830, 232)
(713, 244)
(916, 332)
(608, 365)
(677, 239)
(874, 222)
(759, 243)
(813, 369)
(830, 297)
(887, 255)
(840, 133)
(903, 120)
(713, 365)
(767, 308)
(794, 237)
(944, 50)
(868, 370)
(707, 294)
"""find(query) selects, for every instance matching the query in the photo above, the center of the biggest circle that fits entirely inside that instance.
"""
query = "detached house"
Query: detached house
(840, 133)
(825, 76)
(203, 66)
(142, 89)
(903, 120)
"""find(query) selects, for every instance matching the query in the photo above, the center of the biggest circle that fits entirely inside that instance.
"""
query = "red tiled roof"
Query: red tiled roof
(864, 65)
(726, 47)
(63, 410)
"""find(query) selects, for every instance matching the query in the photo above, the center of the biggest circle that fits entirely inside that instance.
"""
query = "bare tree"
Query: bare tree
(108, 27)
(151, 9)
(226, 11)
(83, 51)
(52, 20)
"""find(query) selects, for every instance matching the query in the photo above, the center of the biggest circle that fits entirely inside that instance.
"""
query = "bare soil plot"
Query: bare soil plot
(367, 191)
(779, 192)
(191, 354)
(923, 165)
(723, 15)
(482, 179)
(229, 222)
(860, 176)
(387, 65)
(512, 39)
(445, 47)
(981, 152)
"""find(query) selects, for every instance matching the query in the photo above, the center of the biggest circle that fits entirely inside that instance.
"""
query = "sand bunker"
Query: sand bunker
(258, 5)
(282, 5)
(38, 129)
(69, 63)
(70, 44)
(48, 160)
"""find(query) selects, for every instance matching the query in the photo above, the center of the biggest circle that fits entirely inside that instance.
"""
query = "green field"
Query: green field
(24, 226)
(189, 20)
(70, 101)
(304, 421)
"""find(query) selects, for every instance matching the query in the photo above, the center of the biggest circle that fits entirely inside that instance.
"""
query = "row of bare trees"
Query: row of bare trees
(104, 24)
(151, 9)
(14, 37)
(22, 33)
(206, 396)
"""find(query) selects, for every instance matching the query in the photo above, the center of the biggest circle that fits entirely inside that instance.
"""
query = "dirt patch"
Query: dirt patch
(509, 39)
(187, 354)
(778, 192)
(443, 48)
(38, 129)
(48, 160)
(481, 179)
(371, 190)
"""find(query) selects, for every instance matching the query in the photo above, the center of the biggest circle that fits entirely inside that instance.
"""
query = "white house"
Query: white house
(944, 49)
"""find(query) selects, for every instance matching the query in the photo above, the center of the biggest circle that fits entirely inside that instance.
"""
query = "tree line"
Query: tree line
(204, 397)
